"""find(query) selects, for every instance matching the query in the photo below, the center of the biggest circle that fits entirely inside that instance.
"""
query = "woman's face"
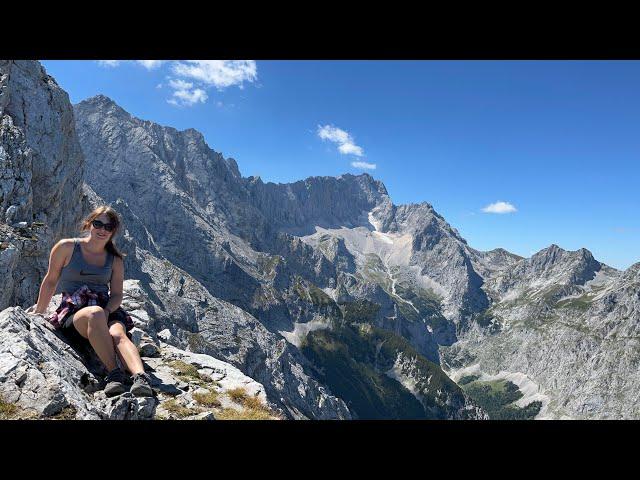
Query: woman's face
(101, 234)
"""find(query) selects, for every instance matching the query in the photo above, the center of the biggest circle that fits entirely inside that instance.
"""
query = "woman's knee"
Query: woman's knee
(117, 332)
(96, 315)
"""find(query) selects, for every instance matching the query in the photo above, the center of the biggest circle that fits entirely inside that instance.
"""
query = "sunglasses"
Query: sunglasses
(109, 227)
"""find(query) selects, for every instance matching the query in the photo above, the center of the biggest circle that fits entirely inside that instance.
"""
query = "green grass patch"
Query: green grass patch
(497, 397)
(8, 410)
(578, 303)
(359, 311)
(267, 265)
(309, 292)
(189, 373)
(185, 370)
(209, 399)
(180, 411)
(238, 395)
(244, 414)
(468, 379)
(253, 408)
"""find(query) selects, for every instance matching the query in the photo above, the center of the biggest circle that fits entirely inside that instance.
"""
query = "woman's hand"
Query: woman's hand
(32, 311)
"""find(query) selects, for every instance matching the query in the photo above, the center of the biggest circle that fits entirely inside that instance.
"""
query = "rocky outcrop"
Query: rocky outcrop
(43, 375)
(41, 111)
(41, 172)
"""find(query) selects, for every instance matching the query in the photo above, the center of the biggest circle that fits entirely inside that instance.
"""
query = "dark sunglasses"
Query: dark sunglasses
(109, 227)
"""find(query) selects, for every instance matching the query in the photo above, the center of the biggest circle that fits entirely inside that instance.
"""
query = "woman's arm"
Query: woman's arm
(57, 258)
(115, 285)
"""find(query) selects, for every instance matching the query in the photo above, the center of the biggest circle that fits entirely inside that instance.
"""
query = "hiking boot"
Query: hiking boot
(141, 385)
(115, 383)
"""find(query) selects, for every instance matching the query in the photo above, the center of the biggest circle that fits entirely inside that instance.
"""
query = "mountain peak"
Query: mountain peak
(102, 103)
(100, 99)
(554, 250)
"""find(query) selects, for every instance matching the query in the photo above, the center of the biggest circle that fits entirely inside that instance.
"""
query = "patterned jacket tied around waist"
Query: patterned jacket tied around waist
(85, 297)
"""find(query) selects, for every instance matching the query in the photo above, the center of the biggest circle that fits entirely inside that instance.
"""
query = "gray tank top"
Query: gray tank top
(78, 273)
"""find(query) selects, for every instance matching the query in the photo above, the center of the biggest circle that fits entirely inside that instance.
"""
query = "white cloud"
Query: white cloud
(193, 77)
(184, 93)
(499, 207)
(364, 165)
(350, 148)
(179, 84)
(345, 142)
(219, 73)
(150, 64)
(109, 63)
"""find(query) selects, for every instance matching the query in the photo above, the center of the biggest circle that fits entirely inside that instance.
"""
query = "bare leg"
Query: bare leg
(127, 351)
(91, 323)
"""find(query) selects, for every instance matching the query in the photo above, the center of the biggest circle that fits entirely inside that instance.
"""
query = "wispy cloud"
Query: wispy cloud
(190, 79)
(217, 73)
(500, 207)
(364, 165)
(109, 63)
(150, 64)
(185, 95)
(345, 142)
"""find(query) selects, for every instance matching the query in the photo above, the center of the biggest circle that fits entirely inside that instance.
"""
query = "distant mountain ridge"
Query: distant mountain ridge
(403, 267)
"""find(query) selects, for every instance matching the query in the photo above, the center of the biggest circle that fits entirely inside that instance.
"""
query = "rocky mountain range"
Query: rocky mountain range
(320, 297)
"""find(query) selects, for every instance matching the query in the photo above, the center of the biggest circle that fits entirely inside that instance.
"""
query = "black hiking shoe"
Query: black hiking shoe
(115, 383)
(141, 385)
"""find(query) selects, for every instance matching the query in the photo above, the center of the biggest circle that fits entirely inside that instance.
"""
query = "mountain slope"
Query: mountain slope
(311, 259)
(249, 252)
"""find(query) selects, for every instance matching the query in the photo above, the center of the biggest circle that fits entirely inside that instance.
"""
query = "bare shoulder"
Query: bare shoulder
(61, 254)
(66, 241)
(64, 245)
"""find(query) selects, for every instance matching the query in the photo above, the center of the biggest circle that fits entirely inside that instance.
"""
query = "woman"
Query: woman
(89, 271)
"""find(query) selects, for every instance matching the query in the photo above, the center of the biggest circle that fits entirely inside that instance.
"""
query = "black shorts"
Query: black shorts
(69, 330)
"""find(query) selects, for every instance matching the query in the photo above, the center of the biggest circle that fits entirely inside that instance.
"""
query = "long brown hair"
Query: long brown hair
(114, 218)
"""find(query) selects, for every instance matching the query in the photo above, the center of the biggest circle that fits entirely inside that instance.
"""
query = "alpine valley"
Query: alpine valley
(319, 299)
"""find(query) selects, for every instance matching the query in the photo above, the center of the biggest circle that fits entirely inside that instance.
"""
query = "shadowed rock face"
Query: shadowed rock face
(41, 171)
(40, 110)
(327, 202)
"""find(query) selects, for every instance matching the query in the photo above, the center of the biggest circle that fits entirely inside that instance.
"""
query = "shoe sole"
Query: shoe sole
(142, 391)
(113, 391)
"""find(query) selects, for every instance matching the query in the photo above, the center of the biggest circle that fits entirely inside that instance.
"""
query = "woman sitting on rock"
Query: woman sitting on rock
(89, 271)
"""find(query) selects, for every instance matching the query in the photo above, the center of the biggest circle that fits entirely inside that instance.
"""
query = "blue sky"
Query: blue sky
(557, 142)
